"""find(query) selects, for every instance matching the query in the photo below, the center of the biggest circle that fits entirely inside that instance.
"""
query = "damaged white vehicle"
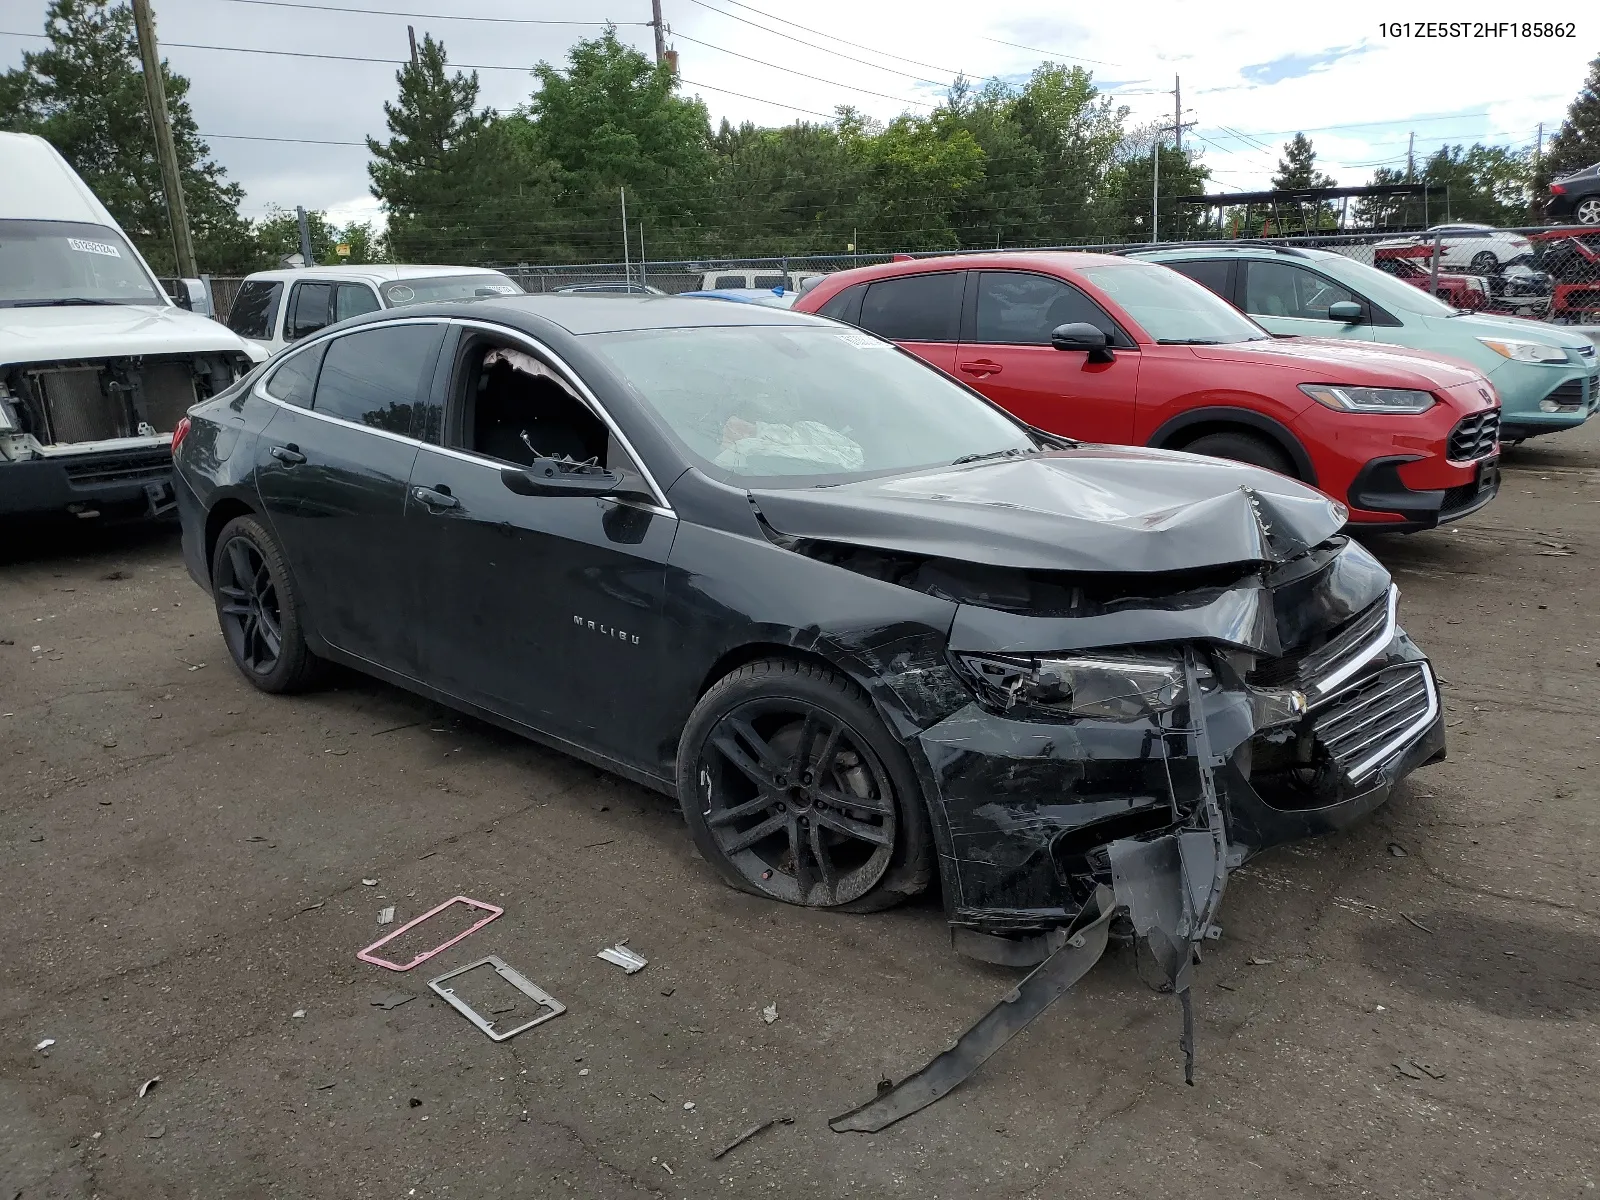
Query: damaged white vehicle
(97, 364)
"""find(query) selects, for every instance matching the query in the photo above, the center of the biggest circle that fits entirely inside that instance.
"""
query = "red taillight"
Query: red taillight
(1557, 190)
(181, 432)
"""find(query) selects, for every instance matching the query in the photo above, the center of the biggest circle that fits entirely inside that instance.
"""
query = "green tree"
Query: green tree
(85, 95)
(612, 119)
(278, 236)
(1124, 201)
(431, 173)
(1577, 143)
(1297, 169)
(1482, 183)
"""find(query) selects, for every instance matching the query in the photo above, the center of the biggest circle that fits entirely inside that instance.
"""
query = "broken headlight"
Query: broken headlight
(1106, 687)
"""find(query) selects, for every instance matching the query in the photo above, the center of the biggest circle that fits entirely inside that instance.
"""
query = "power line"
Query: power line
(842, 41)
(812, 45)
(1051, 53)
(387, 12)
(250, 137)
(804, 75)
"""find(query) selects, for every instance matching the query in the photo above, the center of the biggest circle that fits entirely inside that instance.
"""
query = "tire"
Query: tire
(257, 606)
(1484, 263)
(1245, 448)
(851, 836)
(1587, 211)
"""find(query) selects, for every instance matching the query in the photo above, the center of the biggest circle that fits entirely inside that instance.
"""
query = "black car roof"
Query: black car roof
(577, 313)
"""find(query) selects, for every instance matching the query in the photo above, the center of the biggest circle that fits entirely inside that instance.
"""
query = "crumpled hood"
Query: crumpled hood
(30, 335)
(1337, 361)
(1095, 508)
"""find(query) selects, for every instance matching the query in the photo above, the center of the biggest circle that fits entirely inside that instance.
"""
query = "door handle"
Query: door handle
(289, 455)
(983, 366)
(433, 499)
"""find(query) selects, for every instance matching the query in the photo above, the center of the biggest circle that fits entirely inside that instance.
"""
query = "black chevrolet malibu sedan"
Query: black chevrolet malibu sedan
(865, 626)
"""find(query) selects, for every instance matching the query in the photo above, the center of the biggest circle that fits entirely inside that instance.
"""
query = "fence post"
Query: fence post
(1433, 282)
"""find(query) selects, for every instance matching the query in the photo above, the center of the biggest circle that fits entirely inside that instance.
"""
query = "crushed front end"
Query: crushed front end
(1120, 757)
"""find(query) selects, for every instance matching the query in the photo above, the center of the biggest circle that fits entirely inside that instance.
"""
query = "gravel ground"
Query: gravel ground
(188, 868)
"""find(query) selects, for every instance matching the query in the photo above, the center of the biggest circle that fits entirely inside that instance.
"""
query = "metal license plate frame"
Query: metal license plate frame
(553, 1007)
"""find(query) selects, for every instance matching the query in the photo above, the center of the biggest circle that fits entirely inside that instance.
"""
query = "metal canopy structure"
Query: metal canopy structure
(1323, 210)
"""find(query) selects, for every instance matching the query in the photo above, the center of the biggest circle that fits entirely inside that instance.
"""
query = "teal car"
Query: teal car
(1548, 377)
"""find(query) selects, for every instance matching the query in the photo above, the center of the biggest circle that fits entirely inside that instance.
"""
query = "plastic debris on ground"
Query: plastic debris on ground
(388, 1000)
(46, 1044)
(769, 1014)
(386, 915)
(625, 958)
(549, 1004)
(147, 1085)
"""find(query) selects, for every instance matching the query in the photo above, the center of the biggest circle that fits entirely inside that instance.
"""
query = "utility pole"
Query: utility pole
(166, 153)
(1177, 127)
(1411, 161)
(1538, 152)
(627, 267)
(661, 34)
(305, 237)
(411, 34)
(1177, 113)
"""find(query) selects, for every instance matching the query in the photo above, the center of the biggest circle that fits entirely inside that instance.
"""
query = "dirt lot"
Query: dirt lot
(183, 865)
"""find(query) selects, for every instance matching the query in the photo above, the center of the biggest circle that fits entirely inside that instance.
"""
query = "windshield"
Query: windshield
(1172, 308)
(45, 262)
(432, 288)
(777, 403)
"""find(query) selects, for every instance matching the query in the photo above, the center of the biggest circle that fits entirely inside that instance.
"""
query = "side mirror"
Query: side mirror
(1080, 335)
(551, 477)
(194, 295)
(1347, 311)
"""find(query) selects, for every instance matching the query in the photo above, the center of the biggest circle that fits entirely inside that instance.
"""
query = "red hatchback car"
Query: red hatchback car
(1108, 349)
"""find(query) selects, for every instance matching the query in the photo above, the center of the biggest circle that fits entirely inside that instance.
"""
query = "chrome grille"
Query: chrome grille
(1365, 725)
(1321, 669)
(1475, 436)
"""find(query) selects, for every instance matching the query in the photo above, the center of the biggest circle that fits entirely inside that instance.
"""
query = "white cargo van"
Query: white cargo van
(97, 365)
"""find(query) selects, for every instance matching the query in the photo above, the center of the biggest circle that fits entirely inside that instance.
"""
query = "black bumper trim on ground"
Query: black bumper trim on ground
(115, 479)
(1377, 487)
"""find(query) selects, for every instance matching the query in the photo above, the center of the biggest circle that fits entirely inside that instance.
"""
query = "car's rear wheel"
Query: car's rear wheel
(1484, 263)
(259, 610)
(1587, 211)
(793, 788)
(1245, 448)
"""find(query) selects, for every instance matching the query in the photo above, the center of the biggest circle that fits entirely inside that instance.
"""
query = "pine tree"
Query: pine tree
(1577, 143)
(1297, 169)
(429, 173)
(85, 95)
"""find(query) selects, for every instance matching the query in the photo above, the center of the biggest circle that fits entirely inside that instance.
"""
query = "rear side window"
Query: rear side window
(768, 281)
(294, 380)
(255, 309)
(353, 299)
(915, 308)
(377, 377)
(846, 306)
(1021, 310)
(310, 309)
(1210, 273)
(729, 281)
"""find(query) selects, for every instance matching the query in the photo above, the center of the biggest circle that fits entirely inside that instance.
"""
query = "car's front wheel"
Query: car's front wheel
(793, 788)
(1245, 448)
(259, 610)
(1587, 211)
(1484, 263)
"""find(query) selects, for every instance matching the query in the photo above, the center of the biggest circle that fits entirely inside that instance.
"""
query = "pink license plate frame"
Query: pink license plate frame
(368, 955)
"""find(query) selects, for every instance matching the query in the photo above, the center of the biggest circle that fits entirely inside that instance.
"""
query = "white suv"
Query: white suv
(275, 308)
(1478, 249)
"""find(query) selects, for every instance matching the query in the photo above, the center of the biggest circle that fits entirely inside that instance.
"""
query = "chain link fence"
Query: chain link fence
(1540, 273)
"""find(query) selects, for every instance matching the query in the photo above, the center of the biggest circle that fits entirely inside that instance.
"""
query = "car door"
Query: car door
(544, 609)
(332, 467)
(310, 308)
(1005, 353)
(1289, 299)
(920, 312)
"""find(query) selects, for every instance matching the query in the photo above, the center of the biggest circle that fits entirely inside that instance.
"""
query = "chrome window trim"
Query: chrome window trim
(581, 389)
(1360, 658)
(660, 507)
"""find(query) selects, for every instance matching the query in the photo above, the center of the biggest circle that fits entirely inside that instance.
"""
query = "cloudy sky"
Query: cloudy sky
(1251, 75)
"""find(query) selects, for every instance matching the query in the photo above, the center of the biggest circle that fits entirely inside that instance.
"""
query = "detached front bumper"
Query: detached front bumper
(1032, 809)
(134, 482)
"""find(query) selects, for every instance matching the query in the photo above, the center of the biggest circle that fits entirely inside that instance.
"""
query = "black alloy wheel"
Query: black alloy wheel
(258, 610)
(794, 790)
(1484, 263)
